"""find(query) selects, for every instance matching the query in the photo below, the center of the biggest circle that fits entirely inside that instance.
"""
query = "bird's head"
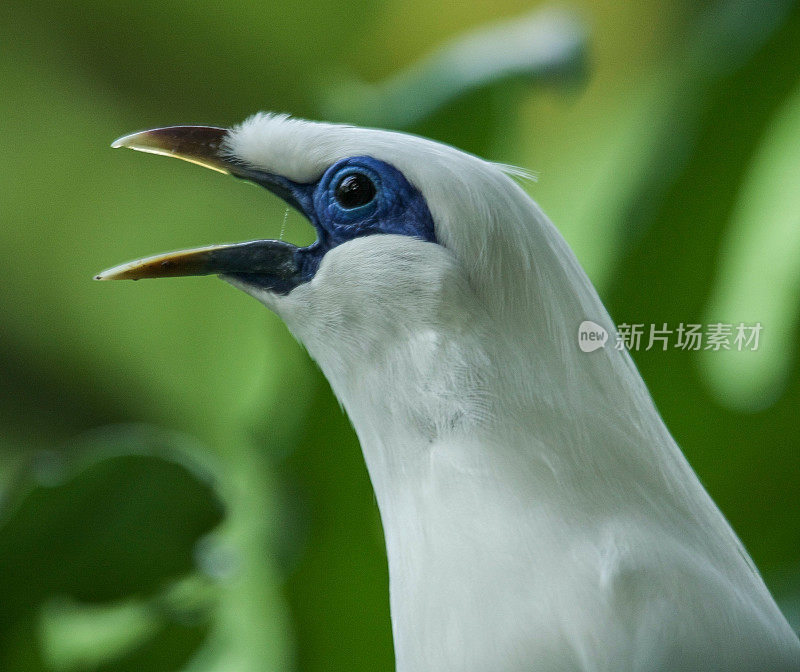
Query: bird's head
(402, 222)
(420, 248)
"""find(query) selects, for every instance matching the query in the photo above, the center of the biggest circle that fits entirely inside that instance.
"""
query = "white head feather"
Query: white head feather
(537, 513)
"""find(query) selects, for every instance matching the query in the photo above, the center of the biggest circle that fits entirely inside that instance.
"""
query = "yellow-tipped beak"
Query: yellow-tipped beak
(197, 144)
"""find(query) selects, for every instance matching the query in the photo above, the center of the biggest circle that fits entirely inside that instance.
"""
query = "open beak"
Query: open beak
(274, 264)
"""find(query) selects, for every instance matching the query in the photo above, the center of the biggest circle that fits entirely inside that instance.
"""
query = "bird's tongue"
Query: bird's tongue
(273, 258)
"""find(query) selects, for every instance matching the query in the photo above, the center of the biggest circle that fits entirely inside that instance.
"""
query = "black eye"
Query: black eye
(355, 190)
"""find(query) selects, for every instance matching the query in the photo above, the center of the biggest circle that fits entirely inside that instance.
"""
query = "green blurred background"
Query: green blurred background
(179, 489)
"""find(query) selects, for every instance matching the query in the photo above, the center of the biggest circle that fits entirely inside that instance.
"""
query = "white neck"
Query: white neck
(535, 508)
(511, 542)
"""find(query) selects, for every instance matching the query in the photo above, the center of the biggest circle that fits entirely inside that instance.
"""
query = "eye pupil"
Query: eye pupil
(354, 191)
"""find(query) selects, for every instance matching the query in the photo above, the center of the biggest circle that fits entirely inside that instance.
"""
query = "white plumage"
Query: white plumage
(537, 513)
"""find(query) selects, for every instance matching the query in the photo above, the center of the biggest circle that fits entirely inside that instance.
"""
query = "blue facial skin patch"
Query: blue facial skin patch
(358, 196)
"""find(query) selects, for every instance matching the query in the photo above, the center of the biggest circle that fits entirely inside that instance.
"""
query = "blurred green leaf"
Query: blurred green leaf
(758, 280)
(124, 510)
(80, 636)
(544, 46)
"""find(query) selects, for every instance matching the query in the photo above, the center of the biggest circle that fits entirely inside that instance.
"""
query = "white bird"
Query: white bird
(537, 513)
